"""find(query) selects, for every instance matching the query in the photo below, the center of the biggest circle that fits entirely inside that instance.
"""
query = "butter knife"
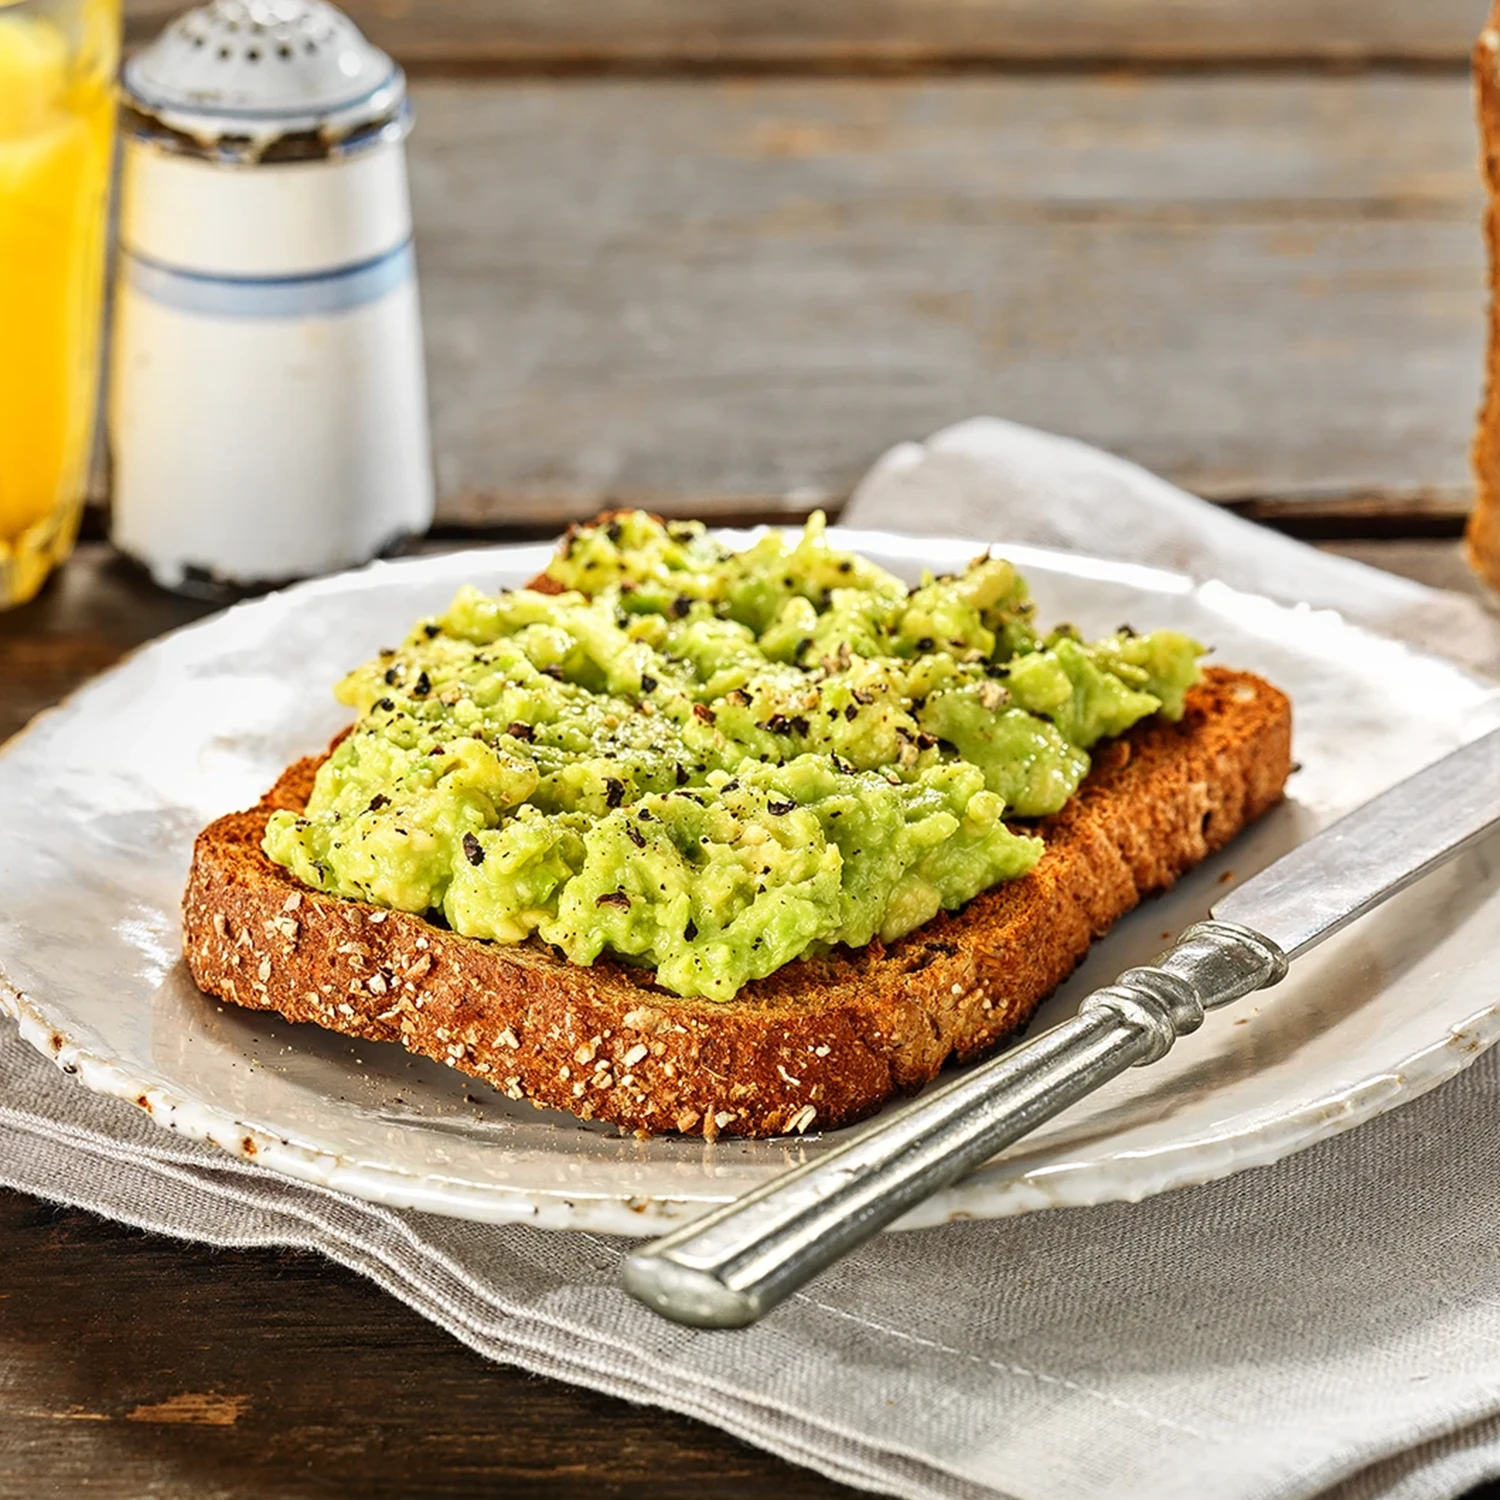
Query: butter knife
(728, 1268)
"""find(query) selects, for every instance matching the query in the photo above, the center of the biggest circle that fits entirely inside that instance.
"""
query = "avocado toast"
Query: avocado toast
(725, 843)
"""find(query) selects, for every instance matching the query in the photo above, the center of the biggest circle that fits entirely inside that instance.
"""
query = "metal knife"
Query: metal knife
(730, 1267)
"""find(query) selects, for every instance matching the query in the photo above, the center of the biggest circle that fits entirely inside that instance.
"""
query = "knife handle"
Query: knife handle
(730, 1267)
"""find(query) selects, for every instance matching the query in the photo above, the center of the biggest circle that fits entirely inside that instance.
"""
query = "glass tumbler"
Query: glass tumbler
(57, 119)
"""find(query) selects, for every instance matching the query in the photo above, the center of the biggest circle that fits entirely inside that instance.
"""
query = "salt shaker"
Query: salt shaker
(268, 408)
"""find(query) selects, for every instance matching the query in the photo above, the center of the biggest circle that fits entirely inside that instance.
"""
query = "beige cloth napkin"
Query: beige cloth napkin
(1329, 1325)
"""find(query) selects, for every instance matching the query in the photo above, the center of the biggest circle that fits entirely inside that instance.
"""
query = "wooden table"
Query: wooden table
(715, 255)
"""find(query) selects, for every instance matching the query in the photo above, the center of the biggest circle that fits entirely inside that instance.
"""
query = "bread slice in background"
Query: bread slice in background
(824, 1040)
(1484, 523)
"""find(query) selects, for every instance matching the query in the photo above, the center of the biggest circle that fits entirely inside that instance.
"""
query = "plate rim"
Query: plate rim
(989, 1193)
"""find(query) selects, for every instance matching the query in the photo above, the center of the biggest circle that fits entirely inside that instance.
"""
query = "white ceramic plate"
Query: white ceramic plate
(102, 797)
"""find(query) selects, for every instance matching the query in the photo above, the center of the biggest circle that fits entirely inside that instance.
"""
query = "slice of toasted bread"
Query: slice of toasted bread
(821, 1042)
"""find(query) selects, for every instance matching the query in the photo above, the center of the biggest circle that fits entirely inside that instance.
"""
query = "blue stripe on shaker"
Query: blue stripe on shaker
(315, 294)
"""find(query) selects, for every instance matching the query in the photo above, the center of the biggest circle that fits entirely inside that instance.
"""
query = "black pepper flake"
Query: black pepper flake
(925, 644)
(737, 696)
(645, 815)
(690, 932)
(378, 801)
(635, 836)
(1125, 630)
(438, 750)
(422, 686)
(432, 631)
(851, 712)
(846, 565)
(519, 731)
(777, 724)
(387, 704)
(704, 712)
(800, 725)
(391, 676)
(648, 683)
(680, 606)
(926, 741)
(614, 898)
(863, 695)
(997, 669)
(680, 775)
(615, 532)
(730, 786)
(614, 792)
(473, 850)
(555, 673)
(780, 809)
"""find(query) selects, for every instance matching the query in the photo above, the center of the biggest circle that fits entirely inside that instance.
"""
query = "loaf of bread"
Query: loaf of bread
(1484, 524)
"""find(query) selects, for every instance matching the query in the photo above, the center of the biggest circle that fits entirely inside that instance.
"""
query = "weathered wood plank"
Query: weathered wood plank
(895, 33)
(1369, 517)
(734, 295)
(132, 1365)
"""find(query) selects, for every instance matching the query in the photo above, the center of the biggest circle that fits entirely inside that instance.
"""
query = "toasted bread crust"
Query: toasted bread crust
(821, 1042)
(1484, 522)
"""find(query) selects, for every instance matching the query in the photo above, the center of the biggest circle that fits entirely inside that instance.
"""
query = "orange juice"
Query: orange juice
(57, 111)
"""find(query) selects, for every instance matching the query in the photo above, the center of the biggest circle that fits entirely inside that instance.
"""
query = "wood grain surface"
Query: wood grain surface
(781, 34)
(732, 295)
(134, 1365)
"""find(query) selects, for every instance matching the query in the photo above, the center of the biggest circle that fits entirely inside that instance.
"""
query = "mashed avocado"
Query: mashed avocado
(712, 762)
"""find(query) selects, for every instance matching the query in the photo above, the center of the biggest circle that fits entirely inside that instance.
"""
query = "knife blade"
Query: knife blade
(734, 1264)
(1373, 852)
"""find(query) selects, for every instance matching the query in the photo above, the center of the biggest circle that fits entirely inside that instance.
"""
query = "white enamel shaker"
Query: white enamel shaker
(268, 405)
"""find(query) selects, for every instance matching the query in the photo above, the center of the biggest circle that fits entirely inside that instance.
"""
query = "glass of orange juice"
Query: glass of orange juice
(57, 116)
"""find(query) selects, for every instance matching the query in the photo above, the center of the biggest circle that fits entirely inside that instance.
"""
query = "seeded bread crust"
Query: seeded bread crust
(823, 1041)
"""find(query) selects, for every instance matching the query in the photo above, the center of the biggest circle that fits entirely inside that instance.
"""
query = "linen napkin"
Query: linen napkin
(1328, 1325)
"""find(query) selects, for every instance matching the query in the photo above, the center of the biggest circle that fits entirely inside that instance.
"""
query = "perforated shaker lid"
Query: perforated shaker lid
(236, 75)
